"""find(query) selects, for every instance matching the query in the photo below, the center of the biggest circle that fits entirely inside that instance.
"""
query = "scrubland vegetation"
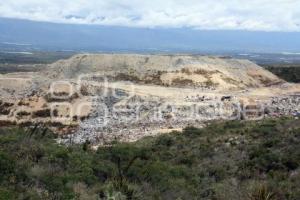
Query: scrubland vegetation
(226, 160)
(286, 72)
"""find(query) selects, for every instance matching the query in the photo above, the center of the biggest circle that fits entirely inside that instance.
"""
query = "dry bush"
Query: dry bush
(186, 71)
(60, 97)
(127, 77)
(42, 113)
(23, 113)
(182, 82)
(262, 192)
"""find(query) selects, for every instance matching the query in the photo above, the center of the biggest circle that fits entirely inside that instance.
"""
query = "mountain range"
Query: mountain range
(28, 35)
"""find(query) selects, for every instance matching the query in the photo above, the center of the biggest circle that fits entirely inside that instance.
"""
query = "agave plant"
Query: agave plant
(262, 192)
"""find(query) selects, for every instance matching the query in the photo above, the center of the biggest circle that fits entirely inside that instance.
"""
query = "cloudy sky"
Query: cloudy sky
(266, 15)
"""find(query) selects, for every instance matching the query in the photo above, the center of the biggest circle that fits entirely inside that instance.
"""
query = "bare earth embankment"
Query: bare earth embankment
(103, 97)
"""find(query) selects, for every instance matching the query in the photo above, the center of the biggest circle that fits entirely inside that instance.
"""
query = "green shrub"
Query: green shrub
(7, 166)
(194, 164)
(6, 194)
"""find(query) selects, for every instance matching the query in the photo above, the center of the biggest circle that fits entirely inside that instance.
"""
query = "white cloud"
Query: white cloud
(267, 15)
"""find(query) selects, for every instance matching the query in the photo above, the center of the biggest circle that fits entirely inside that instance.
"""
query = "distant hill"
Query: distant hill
(29, 35)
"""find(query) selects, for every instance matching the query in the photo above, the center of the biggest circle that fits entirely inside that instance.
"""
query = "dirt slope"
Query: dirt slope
(167, 70)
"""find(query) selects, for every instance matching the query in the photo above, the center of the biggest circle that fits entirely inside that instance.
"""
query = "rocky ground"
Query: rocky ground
(105, 97)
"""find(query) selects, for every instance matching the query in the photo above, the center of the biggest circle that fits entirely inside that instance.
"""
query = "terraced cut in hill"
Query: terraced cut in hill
(106, 97)
(183, 71)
